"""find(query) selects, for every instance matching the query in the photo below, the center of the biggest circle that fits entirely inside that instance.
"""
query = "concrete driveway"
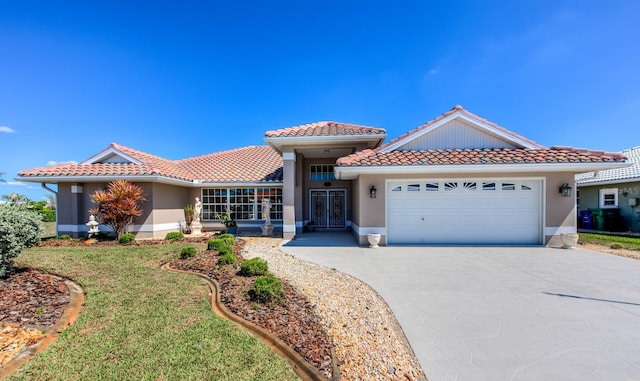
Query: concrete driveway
(502, 313)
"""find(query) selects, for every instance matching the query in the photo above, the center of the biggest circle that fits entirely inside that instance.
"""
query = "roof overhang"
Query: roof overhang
(150, 179)
(352, 172)
(588, 183)
(480, 124)
(279, 143)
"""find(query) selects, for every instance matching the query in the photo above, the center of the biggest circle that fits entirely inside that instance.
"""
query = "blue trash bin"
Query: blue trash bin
(586, 222)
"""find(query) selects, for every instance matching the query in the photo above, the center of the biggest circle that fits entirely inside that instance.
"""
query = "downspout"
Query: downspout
(44, 185)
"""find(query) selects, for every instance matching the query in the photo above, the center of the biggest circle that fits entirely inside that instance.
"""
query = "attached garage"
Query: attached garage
(465, 211)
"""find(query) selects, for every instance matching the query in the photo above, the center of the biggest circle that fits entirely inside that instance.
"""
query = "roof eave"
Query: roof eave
(588, 183)
(137, 178)
(278, 142)
(352, 172)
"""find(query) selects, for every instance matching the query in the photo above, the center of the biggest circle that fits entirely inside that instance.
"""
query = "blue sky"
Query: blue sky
(180, 79)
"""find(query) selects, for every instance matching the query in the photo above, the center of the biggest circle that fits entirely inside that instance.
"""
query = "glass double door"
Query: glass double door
(328, 208)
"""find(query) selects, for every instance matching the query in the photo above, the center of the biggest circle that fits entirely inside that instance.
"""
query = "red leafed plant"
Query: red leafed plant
(118, 205)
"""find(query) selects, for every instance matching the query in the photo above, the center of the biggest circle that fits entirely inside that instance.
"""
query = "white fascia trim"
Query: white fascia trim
(109, 152)
(274, 184)
(557, 230)
(289, 228)
(369, 230)
(350, 173)
(581, 184)
(314, 140)
(460, 115)
(150, 179)
(302, 141)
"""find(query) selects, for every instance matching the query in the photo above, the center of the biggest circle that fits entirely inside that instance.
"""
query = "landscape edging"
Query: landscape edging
(302, 367)
(71, 313)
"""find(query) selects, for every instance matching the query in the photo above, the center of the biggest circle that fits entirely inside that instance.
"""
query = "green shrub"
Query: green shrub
(253, 267)
(228, 238)
(216, 244)
(266, 289)
(616, 246)
(126, 238)
(174, 236)
(228, 258)
(19, 229)
(65, 236)
(187, 252)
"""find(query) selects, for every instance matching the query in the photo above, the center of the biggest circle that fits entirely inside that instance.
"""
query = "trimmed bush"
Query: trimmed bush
(266, 289)
(19, 229)
(216, 244)
(126, 238)
(228, 238)
(187, 252)
(174, 236)
(253, 267)
(228, 258)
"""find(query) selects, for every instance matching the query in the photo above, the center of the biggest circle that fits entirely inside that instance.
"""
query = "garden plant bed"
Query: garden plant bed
(30, 303)
(291, 319)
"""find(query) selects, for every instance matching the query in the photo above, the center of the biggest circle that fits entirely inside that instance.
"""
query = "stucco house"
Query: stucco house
(613, 194)
(458, 179)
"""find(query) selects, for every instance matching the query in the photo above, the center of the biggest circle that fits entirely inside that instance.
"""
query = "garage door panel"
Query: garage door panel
(464, 211)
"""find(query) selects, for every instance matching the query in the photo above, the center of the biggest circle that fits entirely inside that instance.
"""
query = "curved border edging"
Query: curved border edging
(303, 369)
(70, 315)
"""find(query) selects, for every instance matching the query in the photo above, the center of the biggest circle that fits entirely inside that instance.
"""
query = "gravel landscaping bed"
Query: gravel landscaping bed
(368, 340)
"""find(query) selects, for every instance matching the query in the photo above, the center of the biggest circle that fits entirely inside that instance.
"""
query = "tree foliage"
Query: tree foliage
(118, 205)
(19, 229)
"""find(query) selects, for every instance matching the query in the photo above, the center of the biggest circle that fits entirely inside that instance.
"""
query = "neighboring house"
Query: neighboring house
(458, 179)
(612, 193)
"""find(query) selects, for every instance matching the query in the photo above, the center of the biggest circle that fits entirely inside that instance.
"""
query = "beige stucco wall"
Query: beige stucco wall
(559, 212)
(164, 206)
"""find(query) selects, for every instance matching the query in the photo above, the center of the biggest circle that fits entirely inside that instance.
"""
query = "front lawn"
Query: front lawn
(142, 323)
(611, 241)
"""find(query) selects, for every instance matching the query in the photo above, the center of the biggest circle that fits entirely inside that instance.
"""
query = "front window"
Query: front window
(322, 172)
(246, 203)
(609, 198)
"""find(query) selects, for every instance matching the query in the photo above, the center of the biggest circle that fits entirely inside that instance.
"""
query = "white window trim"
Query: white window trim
(606, 192)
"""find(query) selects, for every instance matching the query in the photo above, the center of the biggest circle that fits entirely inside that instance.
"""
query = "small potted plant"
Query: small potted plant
(227, 220)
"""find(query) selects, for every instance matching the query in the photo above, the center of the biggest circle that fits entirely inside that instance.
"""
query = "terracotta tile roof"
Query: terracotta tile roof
(247, 164)
(325, 129)
(619, 174)
(460, 109)
(477, 156)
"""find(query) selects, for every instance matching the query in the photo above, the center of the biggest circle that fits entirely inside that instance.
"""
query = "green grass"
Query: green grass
(142, 323)
(630, 243)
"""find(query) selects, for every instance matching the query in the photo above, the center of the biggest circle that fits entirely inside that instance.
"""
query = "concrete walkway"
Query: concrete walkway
(501, 313)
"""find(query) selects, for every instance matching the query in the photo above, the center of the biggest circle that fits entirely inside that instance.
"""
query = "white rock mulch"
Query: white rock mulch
(368, 341)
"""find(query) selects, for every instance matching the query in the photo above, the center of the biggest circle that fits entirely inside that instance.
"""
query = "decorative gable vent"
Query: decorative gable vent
(456, 134)
(113, 159)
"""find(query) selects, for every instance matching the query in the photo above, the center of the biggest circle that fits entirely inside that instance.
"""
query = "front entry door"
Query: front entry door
(328, 208)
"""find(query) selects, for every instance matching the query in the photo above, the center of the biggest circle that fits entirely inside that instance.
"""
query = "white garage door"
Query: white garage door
(464, 211)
